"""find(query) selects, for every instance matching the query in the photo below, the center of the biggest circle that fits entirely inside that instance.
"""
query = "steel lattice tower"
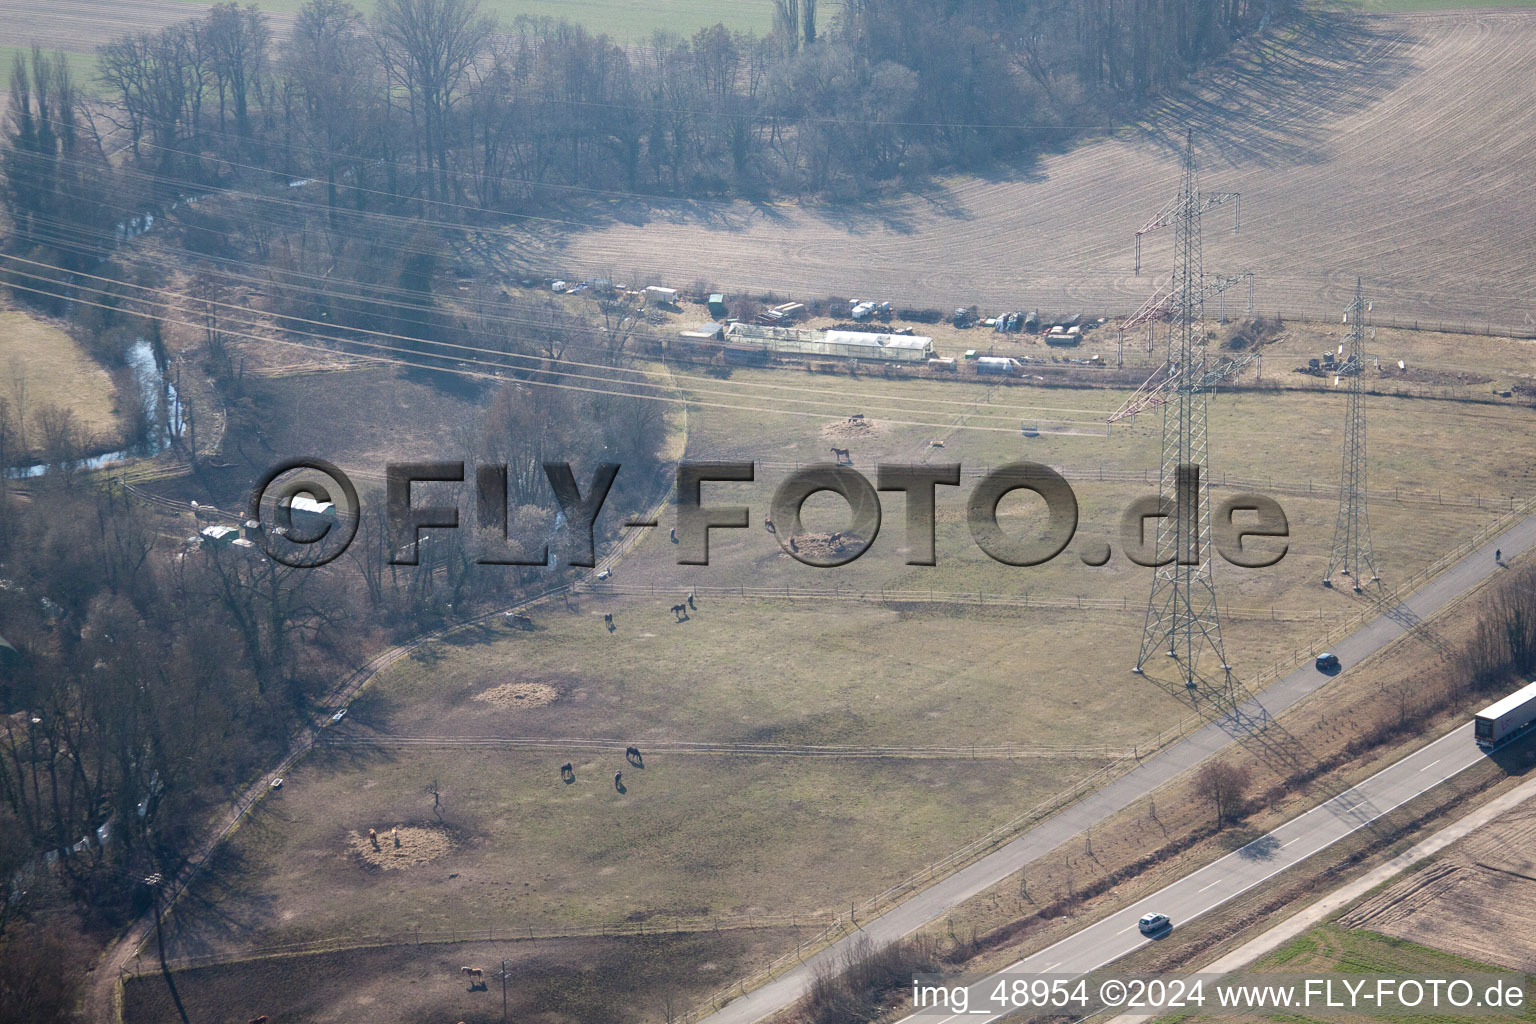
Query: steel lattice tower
(1182, 620)
(1351, 554)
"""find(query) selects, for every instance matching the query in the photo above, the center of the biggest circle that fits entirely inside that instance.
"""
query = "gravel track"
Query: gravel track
(1395, 147)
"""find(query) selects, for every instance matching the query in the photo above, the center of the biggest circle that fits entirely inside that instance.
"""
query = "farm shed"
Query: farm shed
(218, 536)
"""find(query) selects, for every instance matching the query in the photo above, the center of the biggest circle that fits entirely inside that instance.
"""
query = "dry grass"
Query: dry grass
(573, 981)
(54, 370)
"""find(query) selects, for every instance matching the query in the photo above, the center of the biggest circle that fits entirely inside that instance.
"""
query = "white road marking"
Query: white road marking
(1431, 764)
(1288, 842)
(1212, 885)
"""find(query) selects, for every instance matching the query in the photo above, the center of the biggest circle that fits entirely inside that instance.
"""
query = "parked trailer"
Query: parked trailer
(1503, 720)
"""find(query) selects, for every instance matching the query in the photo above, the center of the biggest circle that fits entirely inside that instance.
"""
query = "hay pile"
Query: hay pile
(852, 429)
(519, 696)
(828, 545)
(419, 844)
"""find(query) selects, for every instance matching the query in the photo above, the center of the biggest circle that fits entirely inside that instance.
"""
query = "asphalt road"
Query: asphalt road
(1205, 890)
(1244, 722)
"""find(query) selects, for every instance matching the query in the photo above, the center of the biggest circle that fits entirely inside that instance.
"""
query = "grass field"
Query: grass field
(40, 364)
(632, 22)
(576, 981)
(692, 838)
(1329, 949)
(739, 834)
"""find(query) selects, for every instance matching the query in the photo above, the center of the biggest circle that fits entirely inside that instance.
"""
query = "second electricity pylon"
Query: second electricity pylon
(1351, 555)
(1182, 620)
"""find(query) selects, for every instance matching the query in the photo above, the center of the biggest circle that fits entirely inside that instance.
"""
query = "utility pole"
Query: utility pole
(1351, 555)
(1182, 620)
(154, 881)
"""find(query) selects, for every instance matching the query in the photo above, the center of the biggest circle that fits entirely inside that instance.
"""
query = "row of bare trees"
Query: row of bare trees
(433, 100)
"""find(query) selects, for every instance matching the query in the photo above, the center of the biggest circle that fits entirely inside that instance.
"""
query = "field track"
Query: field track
(1397, 147)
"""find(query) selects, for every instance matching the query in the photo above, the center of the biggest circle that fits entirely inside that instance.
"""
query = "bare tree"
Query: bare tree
(1224, 785)
(431, 47)
(237, 40)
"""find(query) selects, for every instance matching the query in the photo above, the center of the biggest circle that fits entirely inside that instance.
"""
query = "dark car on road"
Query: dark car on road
(1327, 662)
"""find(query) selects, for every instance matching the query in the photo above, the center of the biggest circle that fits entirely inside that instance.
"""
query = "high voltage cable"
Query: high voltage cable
(485, 375)
(499, 354)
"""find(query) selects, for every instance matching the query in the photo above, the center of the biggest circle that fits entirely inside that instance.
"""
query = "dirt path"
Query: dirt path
(1395, 147)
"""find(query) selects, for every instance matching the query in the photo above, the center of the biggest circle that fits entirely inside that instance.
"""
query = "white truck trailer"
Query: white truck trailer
(1503, 720)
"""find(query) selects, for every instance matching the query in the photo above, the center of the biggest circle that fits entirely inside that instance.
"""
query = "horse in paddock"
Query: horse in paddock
(681, 611)
(608, 621)
(373, 838)
(476, 976)
(842, 455)
(567, 772)
(632, 755)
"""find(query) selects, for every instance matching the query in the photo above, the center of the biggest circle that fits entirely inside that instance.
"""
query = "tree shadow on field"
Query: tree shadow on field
(1276, 100)
(204, 920)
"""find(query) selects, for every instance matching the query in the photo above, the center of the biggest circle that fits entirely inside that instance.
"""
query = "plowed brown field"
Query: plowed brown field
(1396, 147)
(1475, 902)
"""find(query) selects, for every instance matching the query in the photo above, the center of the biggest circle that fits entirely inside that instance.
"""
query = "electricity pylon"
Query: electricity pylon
(1182, 620)
(1351, 555)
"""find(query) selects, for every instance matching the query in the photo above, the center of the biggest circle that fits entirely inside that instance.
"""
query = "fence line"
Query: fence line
(966, 751)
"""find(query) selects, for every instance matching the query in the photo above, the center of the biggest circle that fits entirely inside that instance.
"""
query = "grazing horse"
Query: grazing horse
(566, 769)
(632, 755)
(476, 976)
(681, 611)
(373, 838)
(608, 621)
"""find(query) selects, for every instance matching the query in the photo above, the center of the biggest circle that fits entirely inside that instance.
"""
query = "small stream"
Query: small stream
(167, 418)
